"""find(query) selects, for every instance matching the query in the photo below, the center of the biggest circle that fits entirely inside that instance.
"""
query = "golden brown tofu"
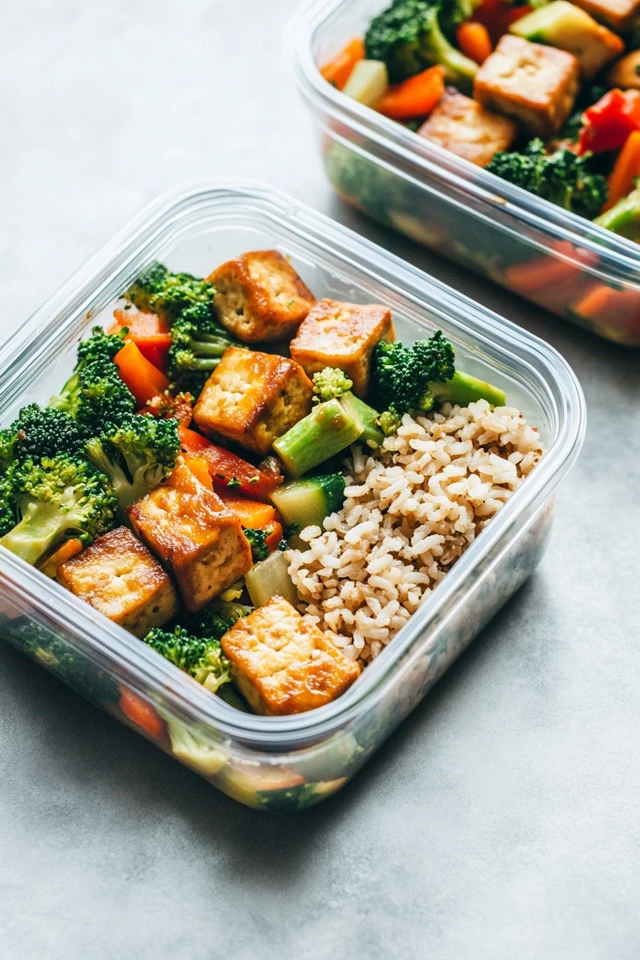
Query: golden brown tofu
(464, 127)
(259, 296)
(536, 85)
(252, 398)
(626, 72)
(282, 664)
(342, 335)
(119, 577)
(189, 528)
(620, 15)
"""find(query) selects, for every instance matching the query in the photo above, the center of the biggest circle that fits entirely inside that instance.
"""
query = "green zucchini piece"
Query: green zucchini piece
(270, 578)
(307, 502)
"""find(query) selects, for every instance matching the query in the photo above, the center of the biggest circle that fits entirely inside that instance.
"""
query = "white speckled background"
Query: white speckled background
(501, 821)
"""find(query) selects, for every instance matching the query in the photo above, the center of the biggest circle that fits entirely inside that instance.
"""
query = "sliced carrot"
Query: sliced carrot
(148, 331)
(143, 379)
(70, 548)
(227, 468)
(530, 277)
(414, 97)
(200, 469)
(625, 170)
(338, 70)
(474, 41)
(254, 515)
(141, 713)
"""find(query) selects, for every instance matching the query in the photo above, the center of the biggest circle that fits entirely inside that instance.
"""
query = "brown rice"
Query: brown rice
(410, 511)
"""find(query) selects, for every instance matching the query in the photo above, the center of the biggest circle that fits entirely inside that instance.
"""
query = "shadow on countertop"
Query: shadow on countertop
(85, 768)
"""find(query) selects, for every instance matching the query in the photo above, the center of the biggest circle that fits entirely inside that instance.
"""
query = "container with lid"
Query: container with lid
(285, 763)
(556, 259)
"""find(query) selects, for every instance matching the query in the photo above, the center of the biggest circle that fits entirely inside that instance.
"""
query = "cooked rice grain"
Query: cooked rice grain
(410, 511)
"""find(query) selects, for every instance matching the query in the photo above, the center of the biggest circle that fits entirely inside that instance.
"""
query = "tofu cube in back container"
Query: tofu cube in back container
(259, 296)
(534, 84)
(619, 15)
(191, 531)
(464, 127)
(252, 398)
(118, 576)
(282, 664)
(342, 335)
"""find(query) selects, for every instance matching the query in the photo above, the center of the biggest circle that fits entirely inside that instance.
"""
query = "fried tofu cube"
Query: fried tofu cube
(259, 296)
(342, 335)
(190, 530)
(464, 127)
(120, 578)
(252, 398)
(282, 664)
(619, 15)
(535, 84)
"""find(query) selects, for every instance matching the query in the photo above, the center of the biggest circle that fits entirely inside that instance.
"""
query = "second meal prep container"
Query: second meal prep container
(552, 257)
(287, 763)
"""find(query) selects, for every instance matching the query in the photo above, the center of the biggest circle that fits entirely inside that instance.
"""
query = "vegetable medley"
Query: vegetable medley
(544, 94)
(195, 440)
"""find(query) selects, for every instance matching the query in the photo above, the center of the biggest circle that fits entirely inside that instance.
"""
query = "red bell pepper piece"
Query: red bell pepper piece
(227, 468)
(497, 16)
(149, 332)
(608, 123)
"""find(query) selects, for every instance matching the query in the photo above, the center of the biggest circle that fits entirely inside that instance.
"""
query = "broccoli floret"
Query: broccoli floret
(365, 184)
(198, 344)
(258, 541)
(45, 503)
(423, 376)
(216, 618)
(329, 383)
(53, 652)
(136, 455)
(95, 394)
(402, 375)
(8, 441)
(168, 294)
(201, 659)
(389, 421)
(561, 177)
(409, 36)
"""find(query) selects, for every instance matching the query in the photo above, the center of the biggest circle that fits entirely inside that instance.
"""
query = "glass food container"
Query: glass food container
(284, 763)
(556, 259)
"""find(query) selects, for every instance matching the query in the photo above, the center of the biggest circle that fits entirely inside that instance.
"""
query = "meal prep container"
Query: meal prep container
(287, 763)
(554, 258)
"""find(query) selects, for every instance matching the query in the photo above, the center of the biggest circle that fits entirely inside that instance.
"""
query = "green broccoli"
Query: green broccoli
(49, 649)
(201, 659)
(168, 294)
(198, 344)
(258, 541)
(422, 376)
(329, 383)
(39, 432)
(95, 394)
(136, 455)
(8, 441)
(389, 422)
(624, 217)
(410, 36)
(216, 618)
(561, 177)
(45, 503)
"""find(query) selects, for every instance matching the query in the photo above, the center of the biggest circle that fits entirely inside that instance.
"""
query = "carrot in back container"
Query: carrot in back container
(338, 70)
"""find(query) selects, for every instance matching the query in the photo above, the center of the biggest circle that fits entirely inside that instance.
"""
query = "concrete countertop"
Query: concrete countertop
(500, 821)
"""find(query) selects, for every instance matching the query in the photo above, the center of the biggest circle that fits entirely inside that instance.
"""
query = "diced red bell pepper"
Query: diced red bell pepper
(227, 468)
(608, 123)
(149, 332)
(497, 16)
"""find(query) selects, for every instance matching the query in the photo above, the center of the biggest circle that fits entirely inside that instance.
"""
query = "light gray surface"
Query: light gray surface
(501, 821)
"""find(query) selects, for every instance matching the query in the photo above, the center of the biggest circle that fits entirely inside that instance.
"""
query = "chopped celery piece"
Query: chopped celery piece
(372, 436)
(368, 82)
(327, 430)
(307, 502)
(270, 578)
